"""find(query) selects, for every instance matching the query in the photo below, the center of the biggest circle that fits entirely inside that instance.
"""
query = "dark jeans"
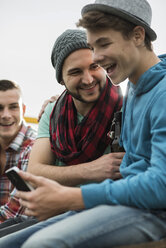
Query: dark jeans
(15, 224)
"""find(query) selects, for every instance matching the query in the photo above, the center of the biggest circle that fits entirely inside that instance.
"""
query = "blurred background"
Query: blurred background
(28, 31)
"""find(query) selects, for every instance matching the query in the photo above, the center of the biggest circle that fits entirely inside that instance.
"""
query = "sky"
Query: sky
(28, 31)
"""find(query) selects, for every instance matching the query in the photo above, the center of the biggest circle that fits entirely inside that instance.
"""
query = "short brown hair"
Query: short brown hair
(8, 85)
(97, 20)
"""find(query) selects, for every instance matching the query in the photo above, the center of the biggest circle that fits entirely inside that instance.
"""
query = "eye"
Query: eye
(14, 107)
(94, 66)
(105, 44)
(74, 72)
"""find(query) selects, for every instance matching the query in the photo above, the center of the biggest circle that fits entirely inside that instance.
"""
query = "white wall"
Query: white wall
(28, 30)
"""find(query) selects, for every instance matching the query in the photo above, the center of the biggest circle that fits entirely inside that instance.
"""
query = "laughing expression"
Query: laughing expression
(83, 78)
(118, 56)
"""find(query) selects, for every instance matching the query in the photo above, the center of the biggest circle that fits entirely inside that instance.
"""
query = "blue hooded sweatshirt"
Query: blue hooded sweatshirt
(144, 138)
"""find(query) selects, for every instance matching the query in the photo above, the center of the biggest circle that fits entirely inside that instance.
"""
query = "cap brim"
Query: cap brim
(120, 13)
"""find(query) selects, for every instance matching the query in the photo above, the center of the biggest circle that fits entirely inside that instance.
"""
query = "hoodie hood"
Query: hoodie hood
(139, 96)
(150, 78)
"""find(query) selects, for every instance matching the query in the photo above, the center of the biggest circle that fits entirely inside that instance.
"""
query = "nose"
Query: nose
(5, 113)
(87, 78)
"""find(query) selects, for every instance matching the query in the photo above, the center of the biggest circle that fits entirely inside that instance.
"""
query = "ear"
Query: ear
(62, 82)
(139, 35)
(23, 108)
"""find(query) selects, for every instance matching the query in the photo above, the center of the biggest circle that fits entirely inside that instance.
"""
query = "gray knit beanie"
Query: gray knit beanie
(68, 42)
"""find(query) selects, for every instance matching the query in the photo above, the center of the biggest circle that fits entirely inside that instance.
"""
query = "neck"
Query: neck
(147, 60)
(2, 159)
(4, 144)
(83, 108)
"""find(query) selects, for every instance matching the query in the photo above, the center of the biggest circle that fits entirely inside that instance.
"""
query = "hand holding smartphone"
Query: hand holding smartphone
(17, 181)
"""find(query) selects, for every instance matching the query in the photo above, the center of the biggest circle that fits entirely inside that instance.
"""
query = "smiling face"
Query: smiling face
(83, 78)
(11, 115)
(120, 57)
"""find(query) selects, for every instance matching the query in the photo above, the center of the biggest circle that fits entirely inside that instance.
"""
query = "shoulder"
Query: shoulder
(48, 110)
(43, 128)
(29, 135)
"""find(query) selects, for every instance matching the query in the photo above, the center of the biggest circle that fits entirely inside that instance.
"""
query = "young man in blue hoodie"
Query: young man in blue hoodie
(133, 209)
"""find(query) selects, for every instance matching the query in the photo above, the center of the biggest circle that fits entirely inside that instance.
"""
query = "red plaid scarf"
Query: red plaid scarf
(75, 143)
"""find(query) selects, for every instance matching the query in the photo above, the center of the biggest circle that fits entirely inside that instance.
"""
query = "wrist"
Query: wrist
(73, 198)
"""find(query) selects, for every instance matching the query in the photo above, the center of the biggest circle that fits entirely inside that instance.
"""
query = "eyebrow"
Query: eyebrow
(13, 104)
(100, 40)
(10, 104)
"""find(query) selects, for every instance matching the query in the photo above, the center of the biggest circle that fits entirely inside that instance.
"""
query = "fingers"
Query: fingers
(52, 99)
(43, 108)
(36, 180)
(23, 199)
(39, 116)
(36, 214)
(115, 173)
(115, 169)
(117, 154)
(29, 212)
(27, 200)
(115, 158)
(28, 209)
(117, 176)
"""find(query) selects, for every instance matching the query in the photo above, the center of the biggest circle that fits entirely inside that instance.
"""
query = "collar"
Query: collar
(17, 142)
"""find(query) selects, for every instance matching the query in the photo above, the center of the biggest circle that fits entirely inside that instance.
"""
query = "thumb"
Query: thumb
(35, 180)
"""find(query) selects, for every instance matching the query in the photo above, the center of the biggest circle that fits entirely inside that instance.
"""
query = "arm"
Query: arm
(144, 185)
(144, 189)
(42, 159)
(52, 99)
(41, 202)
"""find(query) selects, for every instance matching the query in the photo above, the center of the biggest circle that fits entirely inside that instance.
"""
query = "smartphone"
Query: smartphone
(17, 181)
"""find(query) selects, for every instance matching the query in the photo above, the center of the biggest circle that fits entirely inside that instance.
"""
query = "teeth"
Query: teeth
(6, 124)
(106, 67)
(90, 87)
(110, 68)
(85, 88)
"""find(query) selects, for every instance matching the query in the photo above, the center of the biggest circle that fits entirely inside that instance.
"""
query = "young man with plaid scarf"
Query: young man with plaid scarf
(80, 120)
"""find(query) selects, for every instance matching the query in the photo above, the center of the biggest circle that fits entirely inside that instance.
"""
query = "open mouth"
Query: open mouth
(6, 124)
(88, 87)
(110, 69)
